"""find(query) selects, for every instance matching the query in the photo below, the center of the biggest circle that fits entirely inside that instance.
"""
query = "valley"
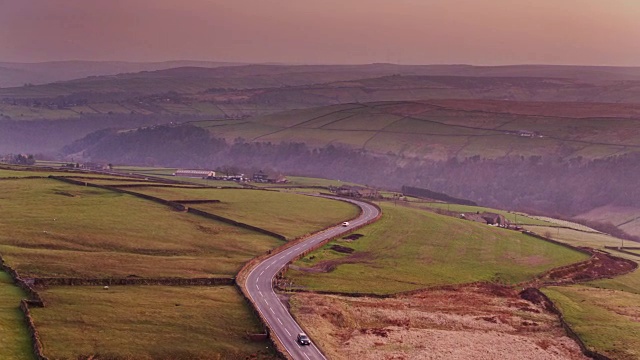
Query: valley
(133, 251)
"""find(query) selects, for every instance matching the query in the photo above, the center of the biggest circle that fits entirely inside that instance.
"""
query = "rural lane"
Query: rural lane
(259, 284)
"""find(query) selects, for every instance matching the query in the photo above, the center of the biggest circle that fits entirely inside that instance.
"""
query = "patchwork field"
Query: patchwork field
(307, 181)
(52, 228)
(515, 218)
(16, 343)
(626, 218)
(409, 249)
(440, 129)
(55, 229)
(575, 237)
(11, 171)
(147, 322)
(288, 214)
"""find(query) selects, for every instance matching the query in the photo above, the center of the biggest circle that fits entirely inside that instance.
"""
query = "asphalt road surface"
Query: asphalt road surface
(259, 285)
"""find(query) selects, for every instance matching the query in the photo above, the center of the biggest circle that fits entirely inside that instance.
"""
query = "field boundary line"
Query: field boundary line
(551, 306)
(176, 206)
(33, 300)
(132, 281)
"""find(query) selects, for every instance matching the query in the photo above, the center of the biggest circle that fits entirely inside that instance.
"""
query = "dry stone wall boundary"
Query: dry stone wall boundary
(175, 205)
(537, 296)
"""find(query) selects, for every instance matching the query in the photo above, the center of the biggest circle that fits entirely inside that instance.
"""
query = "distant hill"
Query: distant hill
(18, 74)
(242, 91)
(559, 183)
(190, 76)
(442, 129)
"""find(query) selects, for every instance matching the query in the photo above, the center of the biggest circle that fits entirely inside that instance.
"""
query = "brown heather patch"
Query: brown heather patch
(479, 321)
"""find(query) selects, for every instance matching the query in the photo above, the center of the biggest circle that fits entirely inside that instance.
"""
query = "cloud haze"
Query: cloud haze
(484, 32)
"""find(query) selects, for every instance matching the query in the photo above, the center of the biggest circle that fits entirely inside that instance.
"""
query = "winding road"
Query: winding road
(259, 285)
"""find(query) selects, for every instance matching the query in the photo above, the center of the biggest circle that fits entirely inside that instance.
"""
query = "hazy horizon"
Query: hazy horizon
(491, 32)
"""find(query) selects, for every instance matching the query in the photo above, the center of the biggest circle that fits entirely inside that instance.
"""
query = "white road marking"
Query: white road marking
(262, 273)
(279, 321)
(307, 356)
(285, 329)
(270, 308)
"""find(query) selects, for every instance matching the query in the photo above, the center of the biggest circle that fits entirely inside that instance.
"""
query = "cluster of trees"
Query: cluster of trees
(20, 159)
(426, 193)
(533, 184)
(48, 136)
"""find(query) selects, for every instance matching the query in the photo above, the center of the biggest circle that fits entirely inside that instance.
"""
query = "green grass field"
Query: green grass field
(307, 181)
(576, 238)
(515, 218)
(409, 249)
(604, 312)
(20, 172)
(606, 320)
(164, 173)
(144, 170)
(123, 181)
(288, 214)
(50, 228)
(16, 343)
(147, 322)
(4, 173)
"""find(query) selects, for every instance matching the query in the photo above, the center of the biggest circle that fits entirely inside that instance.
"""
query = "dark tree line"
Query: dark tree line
(48, 136)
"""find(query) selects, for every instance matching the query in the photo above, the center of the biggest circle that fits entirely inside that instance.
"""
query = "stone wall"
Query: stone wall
(33, 300)
(536, 296)
(219, 281)
(175, 205)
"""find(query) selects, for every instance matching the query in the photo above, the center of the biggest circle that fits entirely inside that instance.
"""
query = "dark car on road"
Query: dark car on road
(303, 339)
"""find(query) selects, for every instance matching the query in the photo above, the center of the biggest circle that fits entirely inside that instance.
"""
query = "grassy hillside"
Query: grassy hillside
(147, 322)
(603, 312)
(17, 74)
(626, 218)
(440, 130)
(606, 320)
(239, 91)
(409, 249)
(102, 233)
(291, 215)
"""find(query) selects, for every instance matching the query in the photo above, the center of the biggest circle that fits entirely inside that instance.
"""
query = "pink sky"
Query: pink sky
(482, 32)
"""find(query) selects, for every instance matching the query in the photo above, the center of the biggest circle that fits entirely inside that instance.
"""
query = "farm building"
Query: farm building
(260, 176)
(358, 191)
(195, 173)
(94, 166)
(494, 219)
(486, 218)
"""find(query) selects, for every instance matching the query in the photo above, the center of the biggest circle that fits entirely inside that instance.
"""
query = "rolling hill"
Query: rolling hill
(442, 129)
(18, 74)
